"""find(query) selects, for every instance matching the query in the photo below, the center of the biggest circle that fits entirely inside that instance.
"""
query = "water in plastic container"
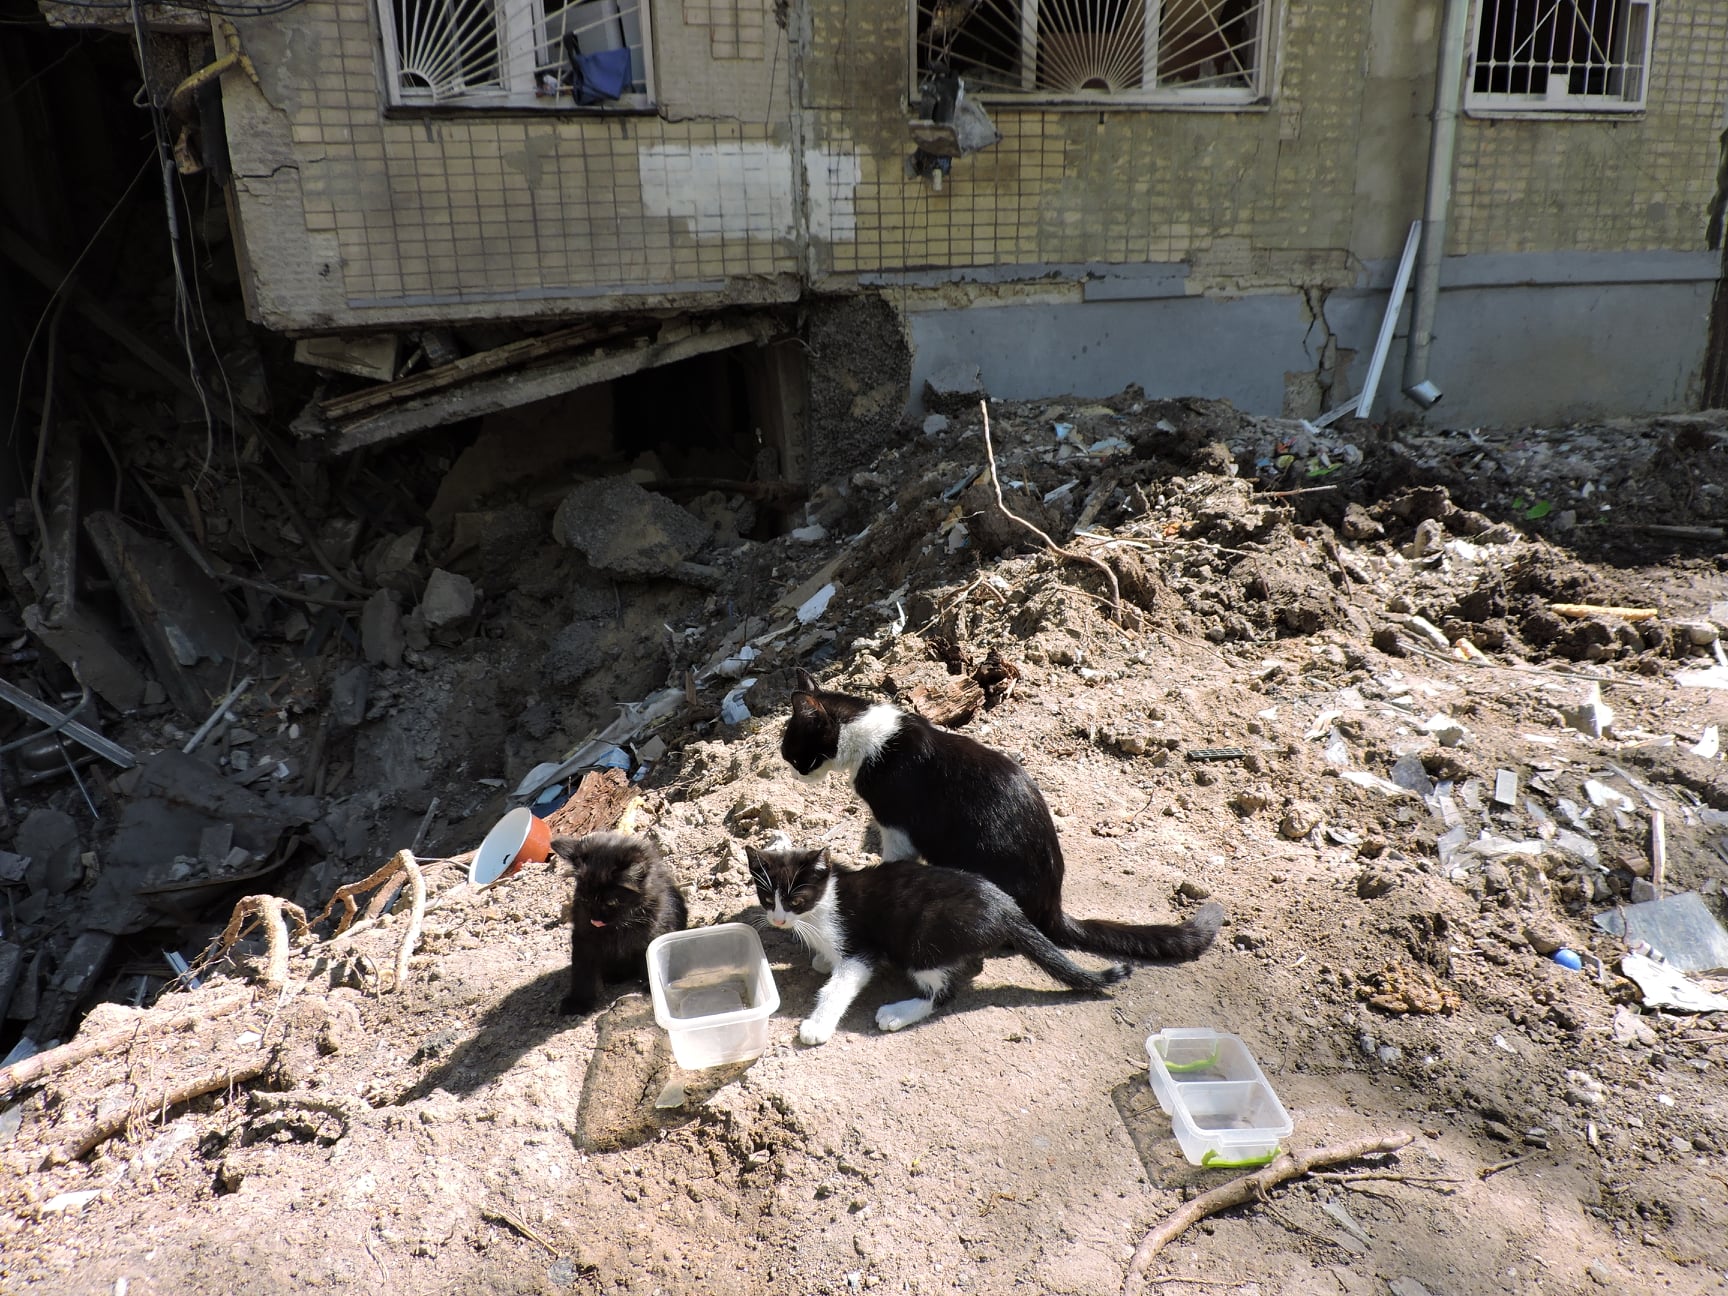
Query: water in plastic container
(713, 993)
(1221, 1107)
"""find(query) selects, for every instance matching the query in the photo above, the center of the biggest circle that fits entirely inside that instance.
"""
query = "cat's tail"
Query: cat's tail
(1160, 942)
(1038, 947)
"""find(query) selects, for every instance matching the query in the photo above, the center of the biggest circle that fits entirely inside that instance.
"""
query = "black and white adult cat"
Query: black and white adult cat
(935, 924)
(962, 805)
(625, 896)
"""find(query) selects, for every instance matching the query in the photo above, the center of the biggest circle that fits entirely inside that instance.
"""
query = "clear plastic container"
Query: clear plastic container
(1220, 1105)
(713, 993)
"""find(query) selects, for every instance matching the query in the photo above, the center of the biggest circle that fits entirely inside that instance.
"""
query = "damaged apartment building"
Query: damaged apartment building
(775, 220)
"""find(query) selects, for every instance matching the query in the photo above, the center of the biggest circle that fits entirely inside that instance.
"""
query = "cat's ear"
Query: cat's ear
(806, 707)
(817, 860)
(568, 848)
(754, 856)
(803, 680)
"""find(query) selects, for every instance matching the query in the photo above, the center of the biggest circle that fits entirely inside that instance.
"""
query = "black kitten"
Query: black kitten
(625, 897)
(960, 804)
(935, 924)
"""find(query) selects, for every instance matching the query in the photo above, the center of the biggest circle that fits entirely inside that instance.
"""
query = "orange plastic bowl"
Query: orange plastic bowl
(519, 838)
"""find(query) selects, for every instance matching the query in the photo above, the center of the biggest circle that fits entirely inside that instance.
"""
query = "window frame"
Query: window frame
(1551, 107)
(520, 33)
(1257, 97)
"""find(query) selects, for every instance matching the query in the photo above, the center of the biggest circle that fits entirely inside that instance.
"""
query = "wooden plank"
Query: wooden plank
(506, 391)
(341, 408)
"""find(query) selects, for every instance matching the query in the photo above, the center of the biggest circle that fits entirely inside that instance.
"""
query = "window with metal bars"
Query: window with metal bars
(1172, 52)
(1560, 56)
(517, 53)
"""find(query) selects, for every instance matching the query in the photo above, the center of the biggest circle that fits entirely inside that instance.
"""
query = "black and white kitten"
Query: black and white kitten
(625, 897)
(934, 924)
(962, 805)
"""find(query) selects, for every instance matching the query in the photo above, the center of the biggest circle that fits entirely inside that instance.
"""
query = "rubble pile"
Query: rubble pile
(1358, 684)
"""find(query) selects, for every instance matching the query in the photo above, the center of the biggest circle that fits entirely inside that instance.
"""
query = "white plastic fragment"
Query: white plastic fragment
(816, 604)
(1709, 747)
(1663, 987)
(1716, 677)
(1447, 730)
(72, 1201)
(1601, 794)
(732, 708)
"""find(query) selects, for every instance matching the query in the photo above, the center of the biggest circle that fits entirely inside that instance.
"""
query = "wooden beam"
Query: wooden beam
(509, 390)
(340, 409)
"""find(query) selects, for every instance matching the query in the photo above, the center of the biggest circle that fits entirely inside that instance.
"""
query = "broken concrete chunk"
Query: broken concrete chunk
(79, 639)
(50, 839)
(189, 631)
(381, 636)
(388, 562)
(348, 695)
(449, 599)
(11, 966)
(1592, 716)
(953, 389)
(77, 976)
(627, 531)
(935, 424)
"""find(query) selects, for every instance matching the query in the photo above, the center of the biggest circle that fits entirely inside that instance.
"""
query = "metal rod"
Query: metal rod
(220, 711)
(37, 709)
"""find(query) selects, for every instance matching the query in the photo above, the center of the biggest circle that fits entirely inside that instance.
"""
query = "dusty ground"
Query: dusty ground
(472, 1140)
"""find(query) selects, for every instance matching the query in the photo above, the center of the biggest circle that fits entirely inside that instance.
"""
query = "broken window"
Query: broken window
(1082, 51)
(1560, 55)
(518, 53)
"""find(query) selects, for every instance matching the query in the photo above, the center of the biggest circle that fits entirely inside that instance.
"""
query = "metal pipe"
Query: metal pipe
(1442, 151)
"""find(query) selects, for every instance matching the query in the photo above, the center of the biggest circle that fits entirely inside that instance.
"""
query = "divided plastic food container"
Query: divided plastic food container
(713, 993)
(1219, 1102)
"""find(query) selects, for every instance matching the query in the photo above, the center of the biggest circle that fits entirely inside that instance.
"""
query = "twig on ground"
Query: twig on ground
(1524, 668)
(1248, 1188)
(1498, 1166)
(517, 1224)
(1440, 1183)
(1067, 554)
(107, 1127)
(19, 1074)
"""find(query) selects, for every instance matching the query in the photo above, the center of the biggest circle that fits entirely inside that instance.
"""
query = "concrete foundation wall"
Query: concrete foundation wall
(1536, 338)
(1236, 241)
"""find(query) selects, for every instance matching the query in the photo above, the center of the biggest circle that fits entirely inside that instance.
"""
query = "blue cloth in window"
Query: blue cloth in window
(600, 77)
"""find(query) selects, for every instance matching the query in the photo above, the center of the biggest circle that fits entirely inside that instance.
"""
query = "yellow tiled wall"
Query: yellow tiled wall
(352, 214)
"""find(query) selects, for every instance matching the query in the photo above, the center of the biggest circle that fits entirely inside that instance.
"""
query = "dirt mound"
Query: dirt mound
(1304, 706)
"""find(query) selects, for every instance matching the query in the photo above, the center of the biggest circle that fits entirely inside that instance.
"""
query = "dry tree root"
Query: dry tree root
(268, 910)
(345, 894)
(1250, 1187)
(1056, 549)
(19, 1074)
(402, 869)
(98, 1132)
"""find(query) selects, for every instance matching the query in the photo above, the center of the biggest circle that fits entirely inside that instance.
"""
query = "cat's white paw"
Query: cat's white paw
(822, 963)
(813, 1032)
(898, 1016)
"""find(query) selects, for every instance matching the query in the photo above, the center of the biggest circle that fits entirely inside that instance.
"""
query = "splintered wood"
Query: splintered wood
(598, 802)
